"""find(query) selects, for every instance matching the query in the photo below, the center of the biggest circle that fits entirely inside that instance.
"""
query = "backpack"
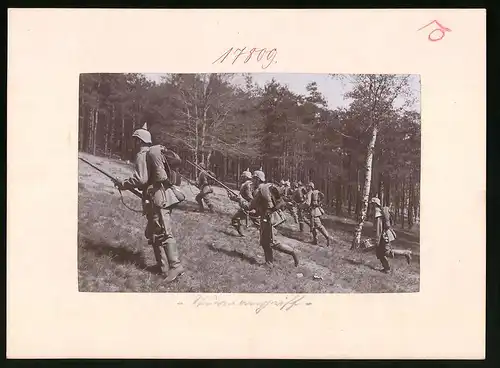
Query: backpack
(277, 197)
(299, 195)
(172, 165)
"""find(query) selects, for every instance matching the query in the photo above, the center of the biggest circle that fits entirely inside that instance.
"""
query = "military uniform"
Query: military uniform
(264, 204)
(298, 211)
(313, 202)
(244, 200)
(205, 190)
(287, 195)
(378, 220)
(384, 249)
(152, 178)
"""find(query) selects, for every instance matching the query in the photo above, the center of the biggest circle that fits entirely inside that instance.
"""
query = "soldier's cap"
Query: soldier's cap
(310, 184)
(287, 183)
(282, 182)
(143, 134)
(299, 183)
(375, 200)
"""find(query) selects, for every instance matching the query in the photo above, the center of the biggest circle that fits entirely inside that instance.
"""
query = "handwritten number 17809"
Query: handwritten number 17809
(267, 57)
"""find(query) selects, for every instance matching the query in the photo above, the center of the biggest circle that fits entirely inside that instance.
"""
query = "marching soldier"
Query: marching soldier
(299, 197)
(288, 192)
(292, 205)
(384, 248)
(244, 200)
(313, 203)
(152, 179)
(378, 218)
(205, 189)
(266, 204)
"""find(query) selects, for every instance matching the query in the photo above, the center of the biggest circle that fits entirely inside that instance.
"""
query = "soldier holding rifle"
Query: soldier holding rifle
(313, 204)
(267, 204)
(244, 199)
(155, 177)
(205, 188)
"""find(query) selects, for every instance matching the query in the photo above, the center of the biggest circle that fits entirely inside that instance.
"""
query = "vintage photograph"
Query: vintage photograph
(249, 183)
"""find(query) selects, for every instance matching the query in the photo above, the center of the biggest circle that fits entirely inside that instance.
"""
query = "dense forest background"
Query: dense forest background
(370, 148)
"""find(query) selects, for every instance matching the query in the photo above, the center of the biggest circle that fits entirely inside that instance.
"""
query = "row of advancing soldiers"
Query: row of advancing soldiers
(261, 201)
(303, 202)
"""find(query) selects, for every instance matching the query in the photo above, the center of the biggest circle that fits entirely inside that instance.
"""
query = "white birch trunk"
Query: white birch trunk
(366, 190)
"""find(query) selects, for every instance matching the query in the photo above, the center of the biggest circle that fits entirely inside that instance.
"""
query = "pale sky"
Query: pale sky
(331, 88)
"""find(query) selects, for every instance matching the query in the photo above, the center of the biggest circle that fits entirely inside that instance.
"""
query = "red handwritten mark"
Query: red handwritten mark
(237, 53)
(441, 29)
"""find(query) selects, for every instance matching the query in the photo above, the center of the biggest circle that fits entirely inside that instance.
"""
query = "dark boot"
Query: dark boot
(268, 255)
(385, 265)
(176, 268)
(161, 259)
(408, 257)
(326, 235)
(315, 237)
(301, 227)
(238, 229)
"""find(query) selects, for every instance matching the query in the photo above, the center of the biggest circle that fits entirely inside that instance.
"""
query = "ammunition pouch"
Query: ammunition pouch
(276, 217)
(206, 189)
(389, 235)
(165, 196)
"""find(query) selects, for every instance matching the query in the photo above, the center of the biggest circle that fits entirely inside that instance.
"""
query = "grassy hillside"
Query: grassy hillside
(113, 254)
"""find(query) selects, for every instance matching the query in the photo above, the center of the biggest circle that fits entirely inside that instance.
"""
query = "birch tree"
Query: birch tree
(374, 97)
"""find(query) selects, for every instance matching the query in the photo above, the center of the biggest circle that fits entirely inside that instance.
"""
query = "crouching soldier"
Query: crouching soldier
(384, 249)
(313, 204)
(244, 200)
(205, 189)
(267, 205)
(153, 175)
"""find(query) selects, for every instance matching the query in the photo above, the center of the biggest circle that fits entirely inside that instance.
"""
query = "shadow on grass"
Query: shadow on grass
(337, 225)
(295, 235)
(230, 233)
(187, 206)
(235, 254)
(359, 263)
(119, 255)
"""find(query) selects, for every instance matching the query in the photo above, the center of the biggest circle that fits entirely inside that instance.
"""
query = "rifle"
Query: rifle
(115, 181)
(225, 187)
(214, 179)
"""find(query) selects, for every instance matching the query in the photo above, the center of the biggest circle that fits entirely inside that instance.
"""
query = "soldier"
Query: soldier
(299, 197)
(205, 189)
(384, 248)
(290, 206)
(152, 178)
(244, 199)
(313, 202)
(378, 219)
(265, 204)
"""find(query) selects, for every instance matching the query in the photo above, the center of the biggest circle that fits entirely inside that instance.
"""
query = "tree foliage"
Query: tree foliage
(232, 126)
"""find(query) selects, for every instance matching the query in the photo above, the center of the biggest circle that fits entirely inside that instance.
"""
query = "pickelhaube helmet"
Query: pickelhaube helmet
(143, 134)
(260, 175)
(246, 174)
